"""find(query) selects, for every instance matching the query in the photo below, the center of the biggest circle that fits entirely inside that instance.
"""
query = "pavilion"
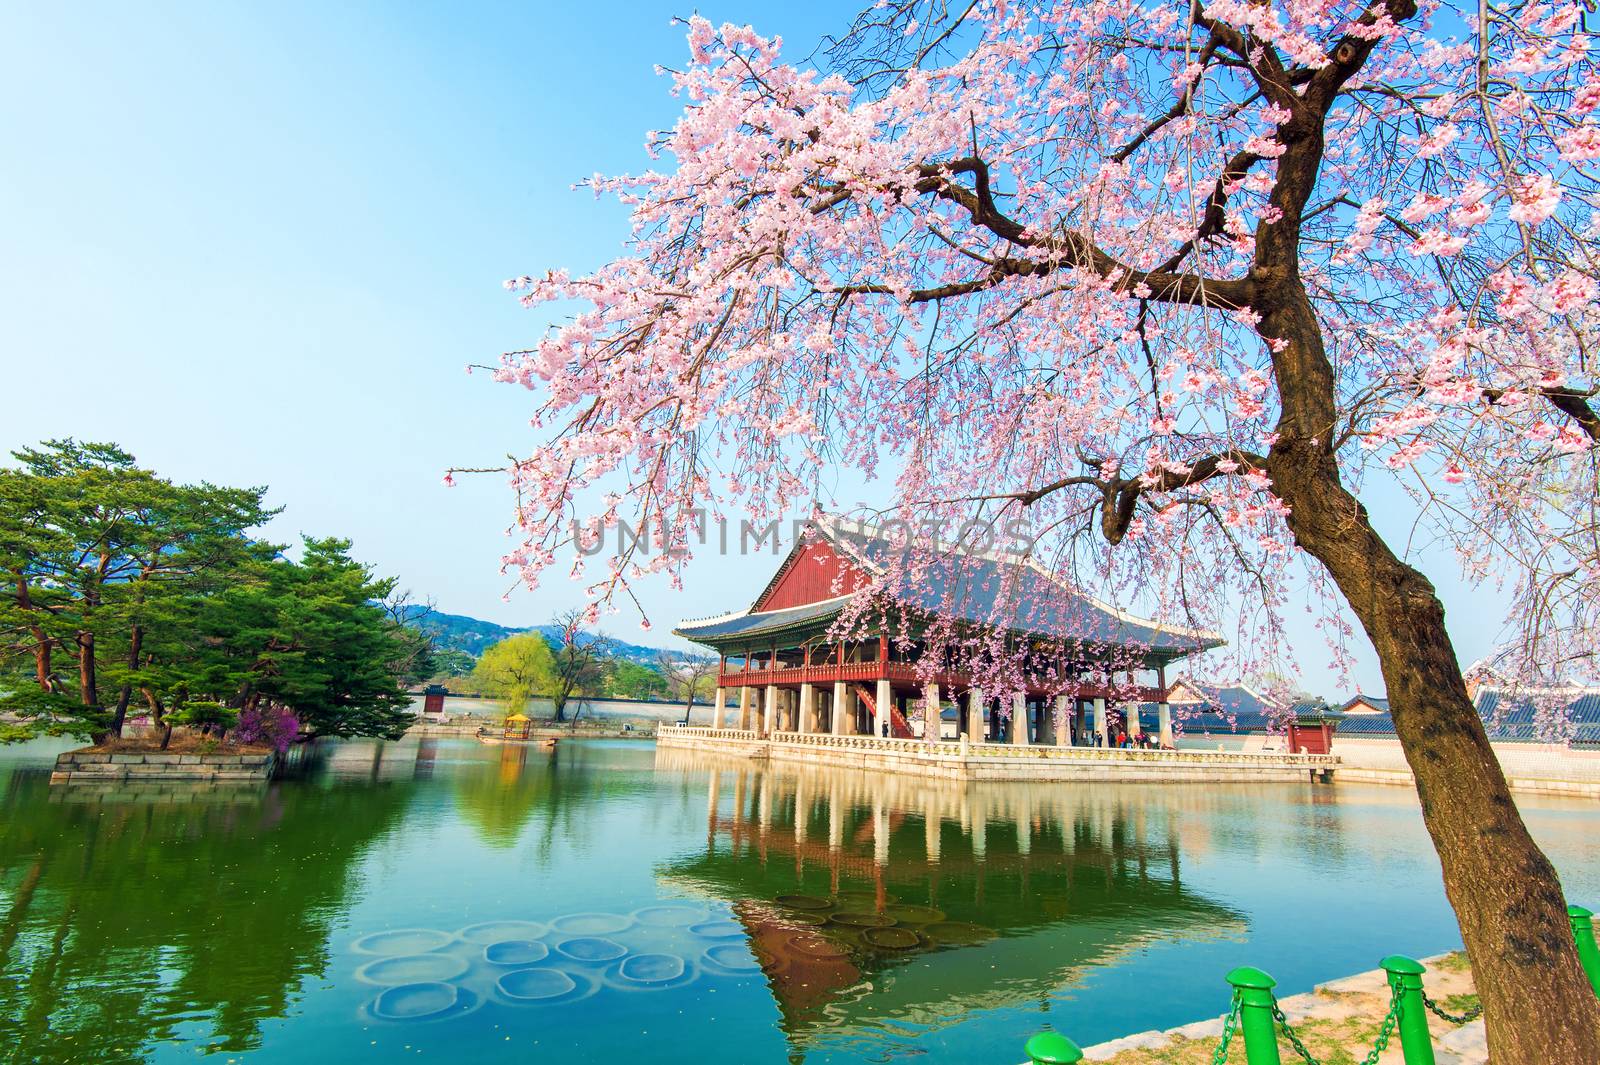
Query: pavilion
(780, 672)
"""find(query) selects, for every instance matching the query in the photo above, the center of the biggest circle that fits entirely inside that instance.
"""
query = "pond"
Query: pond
(443, 900)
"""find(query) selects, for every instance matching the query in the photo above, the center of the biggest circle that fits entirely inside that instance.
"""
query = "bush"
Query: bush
(274, 725)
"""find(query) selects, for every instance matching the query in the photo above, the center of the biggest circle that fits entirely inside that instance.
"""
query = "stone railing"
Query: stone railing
(708, 733)
(1045, 752)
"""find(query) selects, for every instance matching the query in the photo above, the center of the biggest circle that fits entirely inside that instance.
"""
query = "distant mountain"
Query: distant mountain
(459, 632)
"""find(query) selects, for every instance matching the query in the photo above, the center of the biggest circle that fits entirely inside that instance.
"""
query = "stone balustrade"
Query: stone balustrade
(1002, 761)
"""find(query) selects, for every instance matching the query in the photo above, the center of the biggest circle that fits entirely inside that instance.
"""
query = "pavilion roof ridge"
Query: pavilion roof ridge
(826, 523)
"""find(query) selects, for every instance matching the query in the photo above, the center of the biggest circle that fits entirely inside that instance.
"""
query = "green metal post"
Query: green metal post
(1583, 932)
(1052, 1048)
(1256, 1023)
(1405, 976)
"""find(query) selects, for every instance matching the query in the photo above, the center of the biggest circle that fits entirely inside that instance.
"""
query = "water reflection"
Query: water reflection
(142, 918)
(867, 896)
(505, 905)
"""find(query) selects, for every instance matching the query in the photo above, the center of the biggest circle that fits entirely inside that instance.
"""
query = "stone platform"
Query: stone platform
(89, 765)
(961, 760)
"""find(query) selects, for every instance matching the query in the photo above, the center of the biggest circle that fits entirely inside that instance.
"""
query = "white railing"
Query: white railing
(953, 749)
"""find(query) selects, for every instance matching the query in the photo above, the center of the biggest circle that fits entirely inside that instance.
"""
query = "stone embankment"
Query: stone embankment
(1339, 1021)
(470, 724)
(90, 765)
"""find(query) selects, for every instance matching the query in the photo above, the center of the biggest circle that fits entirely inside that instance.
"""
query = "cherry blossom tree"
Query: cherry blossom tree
(1178, 284)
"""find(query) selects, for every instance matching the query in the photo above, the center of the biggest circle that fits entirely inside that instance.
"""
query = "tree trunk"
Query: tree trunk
(1538, 1006)
(135, 643)
(41, 642)
(88, 687)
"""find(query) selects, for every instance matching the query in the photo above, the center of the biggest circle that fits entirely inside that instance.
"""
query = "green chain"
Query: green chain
(1389, 1022)
(1228, 1028)
(1471, 1015)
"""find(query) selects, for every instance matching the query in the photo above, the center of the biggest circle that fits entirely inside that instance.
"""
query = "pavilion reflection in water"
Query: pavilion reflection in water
(874, 897)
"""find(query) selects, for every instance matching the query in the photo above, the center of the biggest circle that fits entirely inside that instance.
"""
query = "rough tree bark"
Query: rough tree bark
(1538, 1005)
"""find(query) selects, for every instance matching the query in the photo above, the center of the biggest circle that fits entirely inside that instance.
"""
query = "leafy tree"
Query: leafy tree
(516, 669)
(153, 591)
(91, 544)
(622, 679)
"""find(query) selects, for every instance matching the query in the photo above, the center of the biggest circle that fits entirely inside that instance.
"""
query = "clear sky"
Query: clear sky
(257, 245)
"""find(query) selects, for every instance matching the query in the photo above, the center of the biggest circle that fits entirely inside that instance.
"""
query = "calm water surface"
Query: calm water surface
(448, 901)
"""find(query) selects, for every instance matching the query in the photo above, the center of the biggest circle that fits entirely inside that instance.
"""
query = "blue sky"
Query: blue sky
(257, 245)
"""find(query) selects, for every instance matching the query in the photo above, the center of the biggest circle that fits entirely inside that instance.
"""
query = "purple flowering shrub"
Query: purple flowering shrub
(273, 725)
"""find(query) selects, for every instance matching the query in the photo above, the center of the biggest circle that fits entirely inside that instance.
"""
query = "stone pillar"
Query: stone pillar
(1164, 723)
(841, 706)
(975, 716)
(1130, 717)
(1100, 723)
(1019, 719)
(881, 712)
(718, 707)
(808, 707)
(747, 695)
(1063, 722)
(769, 717)
(932, 721)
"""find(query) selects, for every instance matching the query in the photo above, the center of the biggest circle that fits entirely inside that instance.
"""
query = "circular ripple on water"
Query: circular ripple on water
(910, 913)
(717, 930)
(957, 932)
(591, 949)
(529, 987)
(515, 952)
(732, 959)
(498, 931)
(803, 902)
(401, 941)
(670, 915)
(811, 945)
(890, 938)
(591, 924)
(651, 972)
(412, 969)
(863, 920)
(422, 1001)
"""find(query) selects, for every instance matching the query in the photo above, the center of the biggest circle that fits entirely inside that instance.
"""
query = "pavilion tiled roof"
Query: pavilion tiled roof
(967, 586)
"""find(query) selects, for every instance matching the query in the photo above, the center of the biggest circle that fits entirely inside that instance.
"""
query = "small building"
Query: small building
(781, 670)
(1571, 717)
(433, 698)
(1365, 704)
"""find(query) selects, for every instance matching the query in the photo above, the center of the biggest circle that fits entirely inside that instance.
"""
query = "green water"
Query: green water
(448, 901)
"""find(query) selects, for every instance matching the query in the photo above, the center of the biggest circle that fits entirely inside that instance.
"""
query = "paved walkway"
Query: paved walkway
(1340, 1015)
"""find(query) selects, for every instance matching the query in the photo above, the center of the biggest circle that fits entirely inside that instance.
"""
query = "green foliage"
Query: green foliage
(123, 592)
(516, 669)
(622, 679)
(204, 715)
(452, 663)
